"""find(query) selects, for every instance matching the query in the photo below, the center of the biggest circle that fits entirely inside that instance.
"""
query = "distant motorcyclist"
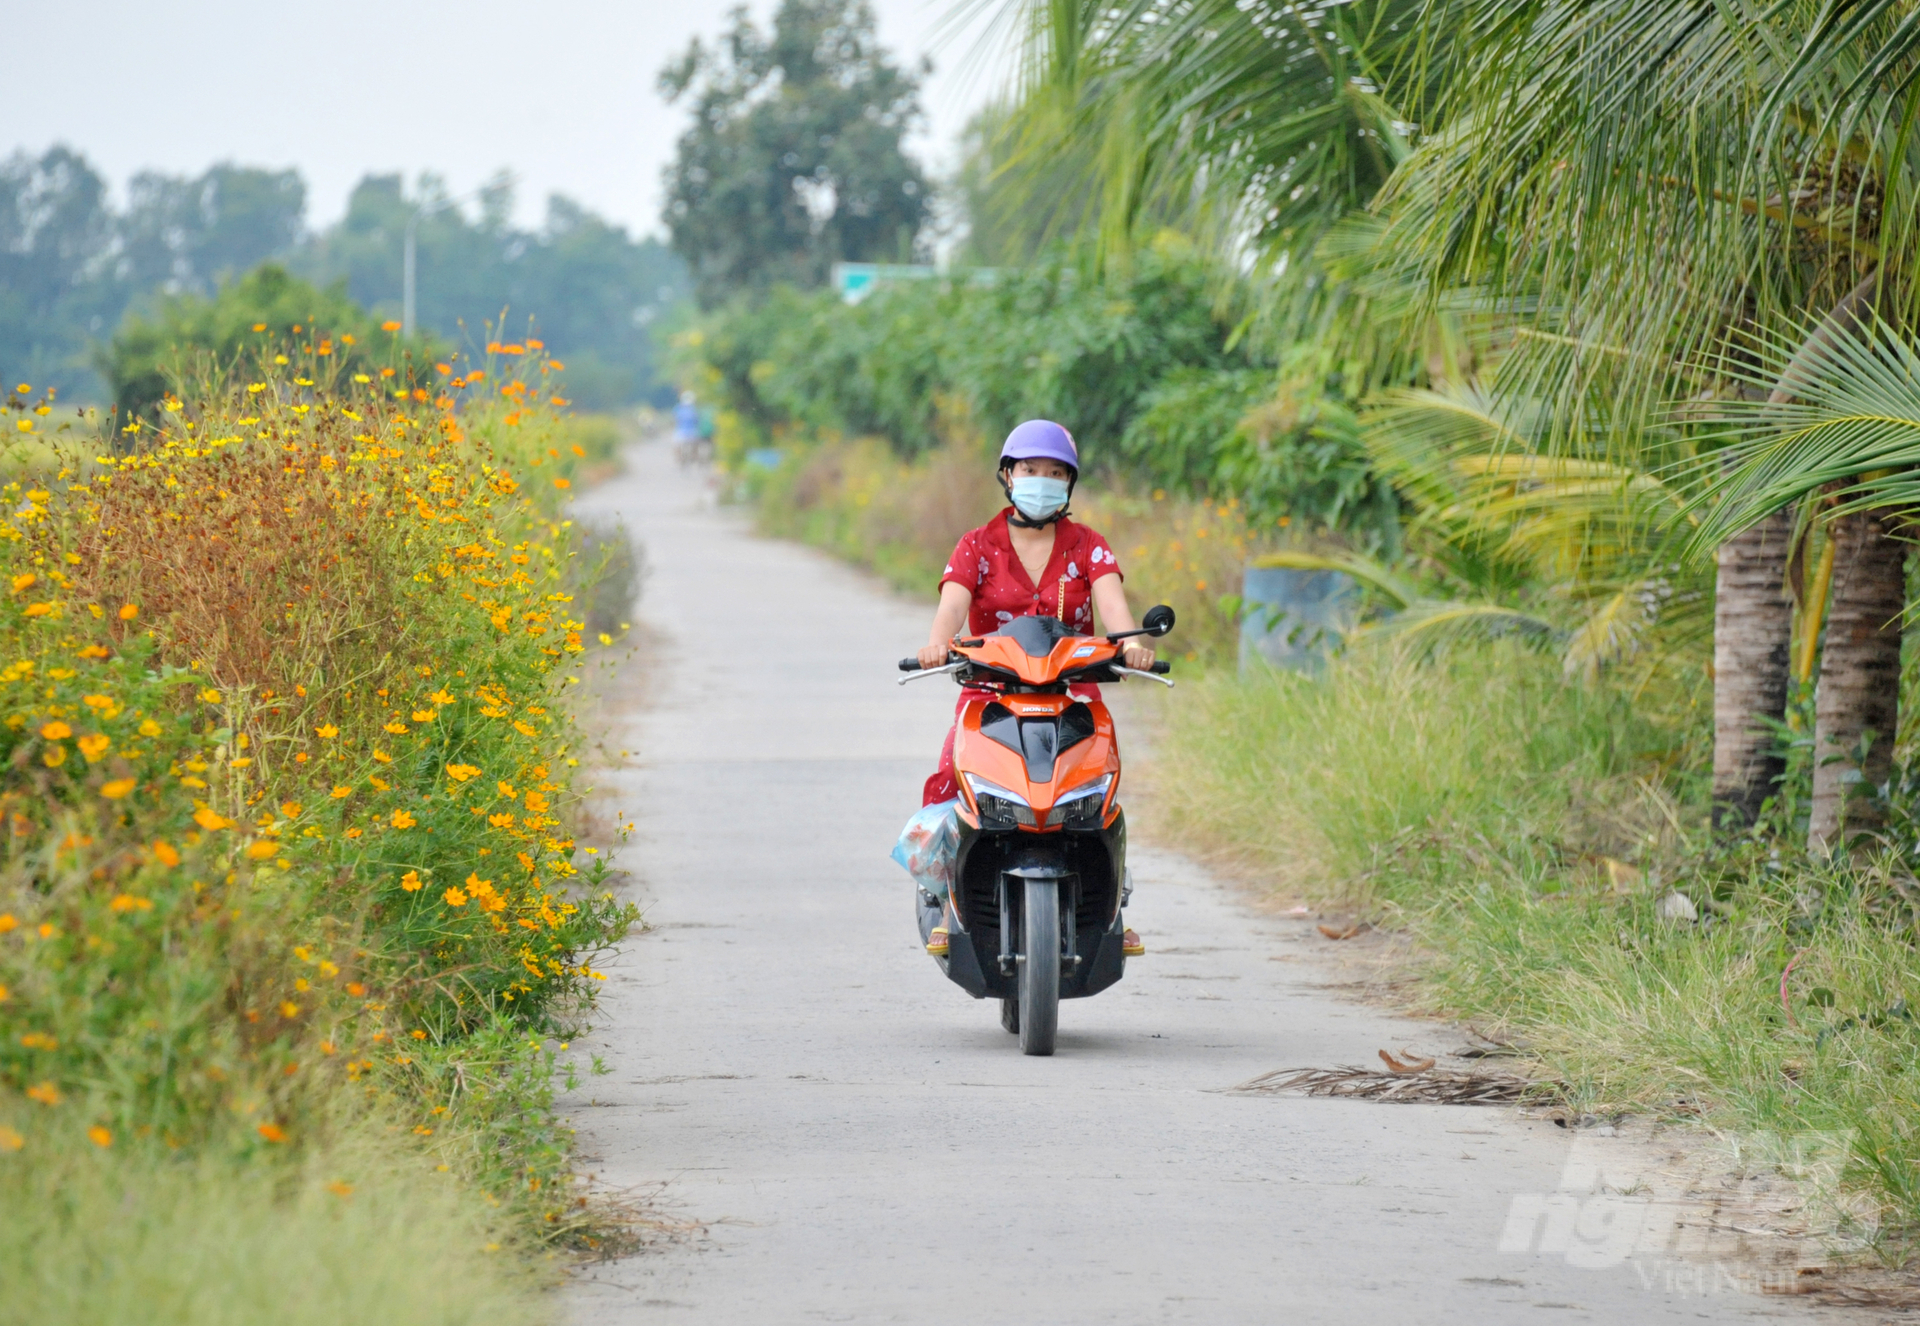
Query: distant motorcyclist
(686, 428)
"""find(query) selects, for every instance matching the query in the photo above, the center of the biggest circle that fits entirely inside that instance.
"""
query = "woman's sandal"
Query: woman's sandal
(937, 941)
(1131, 946)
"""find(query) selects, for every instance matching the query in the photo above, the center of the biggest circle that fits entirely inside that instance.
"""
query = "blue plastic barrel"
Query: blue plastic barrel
(1294, 619)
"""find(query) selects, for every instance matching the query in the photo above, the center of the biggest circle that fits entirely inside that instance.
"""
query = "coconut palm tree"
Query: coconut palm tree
(1660, 182)
(1635, 194)
(1839, 444)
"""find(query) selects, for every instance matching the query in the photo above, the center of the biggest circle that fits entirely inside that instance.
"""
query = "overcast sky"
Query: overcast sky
(561, 93)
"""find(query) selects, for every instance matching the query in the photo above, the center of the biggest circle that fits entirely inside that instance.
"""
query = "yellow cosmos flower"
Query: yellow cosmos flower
(411, 881)
(117, 789)
(99, 1136)
(10, 1140)
(424, 715)
(261, 850)
(341, 792)
(501, 821)
(210, 820)
(455, 898)
(441, 697)
(273, 1132)
(94, 745)
(327, 731)
(398, 729)
(56, 731)
(165, 854)
(44, 1092)
(461, 773)
(291, 809)
(402, 820)
(210, 695)
(126, 902)
(149, 728)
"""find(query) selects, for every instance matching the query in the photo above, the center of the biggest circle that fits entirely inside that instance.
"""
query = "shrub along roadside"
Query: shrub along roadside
(1155, 377)
(287, 767)
(1523, 831)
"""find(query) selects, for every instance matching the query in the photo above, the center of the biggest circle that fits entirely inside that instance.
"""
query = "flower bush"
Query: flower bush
(286, 766)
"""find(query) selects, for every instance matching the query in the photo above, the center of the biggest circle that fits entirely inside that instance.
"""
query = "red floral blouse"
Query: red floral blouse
(984, 561)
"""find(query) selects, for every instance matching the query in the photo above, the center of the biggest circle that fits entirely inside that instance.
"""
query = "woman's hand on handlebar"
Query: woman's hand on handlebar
(1136, 654)
(948, 618)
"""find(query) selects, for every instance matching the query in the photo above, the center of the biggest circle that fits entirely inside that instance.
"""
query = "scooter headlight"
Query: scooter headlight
(999, 808)
(1080, 807)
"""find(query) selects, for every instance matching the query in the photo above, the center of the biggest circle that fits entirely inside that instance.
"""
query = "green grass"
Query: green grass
(366, 1234)
(1521, 831)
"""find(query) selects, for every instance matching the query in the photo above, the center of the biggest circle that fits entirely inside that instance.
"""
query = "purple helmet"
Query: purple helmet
(1041, 439)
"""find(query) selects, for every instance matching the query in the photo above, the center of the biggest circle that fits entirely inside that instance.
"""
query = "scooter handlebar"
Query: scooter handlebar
(1161, 667)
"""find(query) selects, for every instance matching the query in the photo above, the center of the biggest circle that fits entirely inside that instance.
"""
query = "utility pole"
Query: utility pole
(406, 275)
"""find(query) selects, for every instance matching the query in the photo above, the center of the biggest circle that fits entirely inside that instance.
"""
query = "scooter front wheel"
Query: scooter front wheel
(1039, 983)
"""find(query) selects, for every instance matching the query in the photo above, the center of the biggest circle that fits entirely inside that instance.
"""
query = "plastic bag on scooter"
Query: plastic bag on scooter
(929, 846)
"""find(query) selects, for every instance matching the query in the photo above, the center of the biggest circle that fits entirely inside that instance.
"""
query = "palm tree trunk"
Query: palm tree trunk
(1753, 617)
(1752, 640)
(1858, 699)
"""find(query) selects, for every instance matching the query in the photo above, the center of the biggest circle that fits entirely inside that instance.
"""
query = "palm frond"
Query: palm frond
(1852, 427)
(1433, 623)
(1616, 627)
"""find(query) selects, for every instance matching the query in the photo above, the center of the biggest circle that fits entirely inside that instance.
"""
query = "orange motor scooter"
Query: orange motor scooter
(1033, 916)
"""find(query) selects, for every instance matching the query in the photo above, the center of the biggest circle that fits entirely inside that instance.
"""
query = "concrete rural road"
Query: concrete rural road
(865, 1144)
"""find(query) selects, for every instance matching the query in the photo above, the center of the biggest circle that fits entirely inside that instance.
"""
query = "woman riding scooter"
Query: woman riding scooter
(1030, 561)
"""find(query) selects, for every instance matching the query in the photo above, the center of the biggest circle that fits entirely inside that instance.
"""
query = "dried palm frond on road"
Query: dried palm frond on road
(1443, 1086)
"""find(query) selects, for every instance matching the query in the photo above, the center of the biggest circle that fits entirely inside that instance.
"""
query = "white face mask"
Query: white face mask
(1038, 497)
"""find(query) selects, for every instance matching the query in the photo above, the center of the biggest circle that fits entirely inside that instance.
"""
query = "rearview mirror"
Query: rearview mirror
(1158, 621)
